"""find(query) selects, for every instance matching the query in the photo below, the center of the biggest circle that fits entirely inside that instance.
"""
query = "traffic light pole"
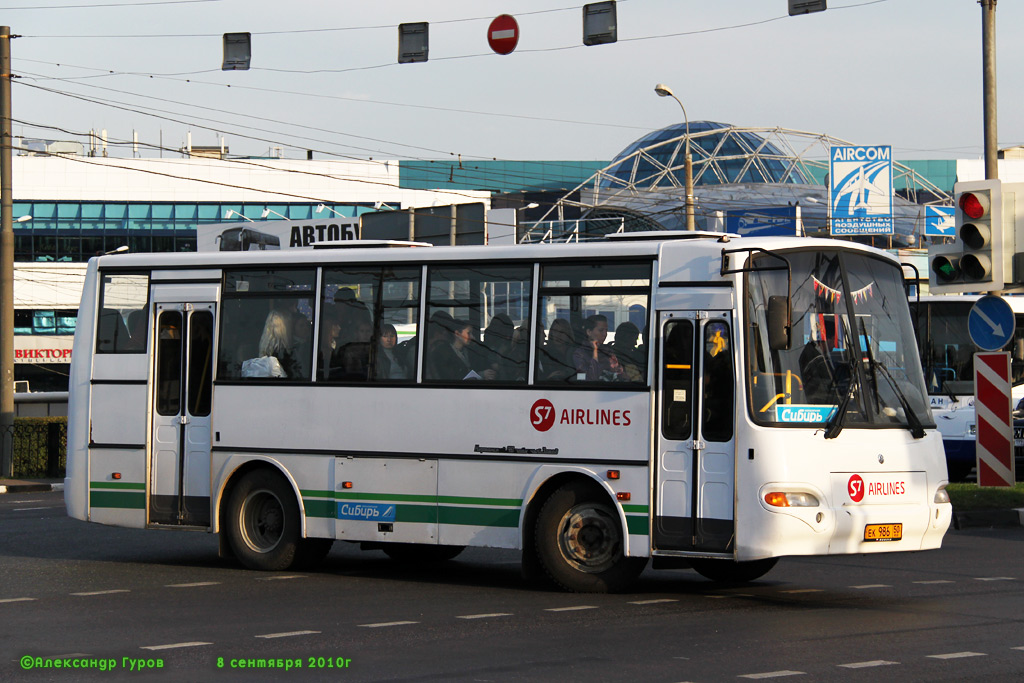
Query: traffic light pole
(6, 262)
(988, 67)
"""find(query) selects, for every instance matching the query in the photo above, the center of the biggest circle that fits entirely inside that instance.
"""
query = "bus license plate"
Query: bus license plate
(883, 532)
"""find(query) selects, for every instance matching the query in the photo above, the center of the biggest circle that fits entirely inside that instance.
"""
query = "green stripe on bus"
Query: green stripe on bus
(413, 498)
(320, 508)
(638, 526)
(478, 516)
(642, 509)
(117, 485)
(130, 500)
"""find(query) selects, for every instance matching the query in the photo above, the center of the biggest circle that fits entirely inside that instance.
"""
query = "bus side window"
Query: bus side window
(719, 384)
(678, 380)
(124, 298)
(267, 314)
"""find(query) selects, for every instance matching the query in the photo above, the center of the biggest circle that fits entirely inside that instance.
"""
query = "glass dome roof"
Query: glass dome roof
(721, 154)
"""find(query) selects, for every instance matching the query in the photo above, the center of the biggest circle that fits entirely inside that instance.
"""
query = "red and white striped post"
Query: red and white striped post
(993, 413)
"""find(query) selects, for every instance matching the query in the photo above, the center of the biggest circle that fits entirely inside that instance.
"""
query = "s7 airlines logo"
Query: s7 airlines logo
(543, 415)
(855, 487)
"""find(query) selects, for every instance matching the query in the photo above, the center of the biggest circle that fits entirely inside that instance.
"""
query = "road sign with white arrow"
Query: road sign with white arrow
(991, 323)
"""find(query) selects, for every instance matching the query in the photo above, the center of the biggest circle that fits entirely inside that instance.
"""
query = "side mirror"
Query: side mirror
(778, 323)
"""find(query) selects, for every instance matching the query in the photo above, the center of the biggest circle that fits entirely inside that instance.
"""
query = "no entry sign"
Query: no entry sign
(503, 34)
(992, 410)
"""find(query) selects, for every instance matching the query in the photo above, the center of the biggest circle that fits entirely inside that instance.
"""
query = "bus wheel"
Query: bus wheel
(421, 552)
(263, 522)
(579, 542)
(727, 571)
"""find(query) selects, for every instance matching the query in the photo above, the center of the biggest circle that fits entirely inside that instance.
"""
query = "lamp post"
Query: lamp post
(267, 212)
(320, 209)
(231, 212)
(665, 91)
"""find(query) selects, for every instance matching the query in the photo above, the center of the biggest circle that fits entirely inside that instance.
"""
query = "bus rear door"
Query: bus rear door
(179, 487)
(695, 474)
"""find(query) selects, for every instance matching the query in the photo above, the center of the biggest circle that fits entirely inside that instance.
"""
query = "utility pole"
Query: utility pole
(6, 262)
(988, 70)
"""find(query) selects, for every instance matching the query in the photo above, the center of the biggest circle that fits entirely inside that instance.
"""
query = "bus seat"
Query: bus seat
(113, 332)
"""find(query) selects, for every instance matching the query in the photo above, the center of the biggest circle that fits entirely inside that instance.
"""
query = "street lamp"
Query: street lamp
(664, 91)
(267, 212)
(320, 209)
(231, 212)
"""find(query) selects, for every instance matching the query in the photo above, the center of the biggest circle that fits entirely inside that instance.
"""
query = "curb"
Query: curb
(988, 518)
(30, 488)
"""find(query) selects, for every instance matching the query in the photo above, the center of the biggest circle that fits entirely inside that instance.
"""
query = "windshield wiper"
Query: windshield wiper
(949, 392)
(913, 421)
(835, 423)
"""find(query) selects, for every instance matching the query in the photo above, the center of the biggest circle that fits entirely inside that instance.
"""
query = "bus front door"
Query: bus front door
(179, 487)
(694, 481)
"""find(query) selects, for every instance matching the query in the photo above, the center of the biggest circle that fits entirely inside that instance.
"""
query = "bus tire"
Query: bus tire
(421, 552)
(263, 522)
(579, 542)
(728, 571)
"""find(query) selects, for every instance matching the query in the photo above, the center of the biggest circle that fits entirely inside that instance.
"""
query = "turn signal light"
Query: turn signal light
(346, 484)
(942, 495)
(613, 474)
(624, 495)
(781, 499)
(115, 475)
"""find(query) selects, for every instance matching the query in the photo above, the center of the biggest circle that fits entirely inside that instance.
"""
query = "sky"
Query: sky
(325, 76)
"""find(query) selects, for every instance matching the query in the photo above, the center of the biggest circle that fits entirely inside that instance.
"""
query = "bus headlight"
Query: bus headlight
(942, 495)
(786, 499)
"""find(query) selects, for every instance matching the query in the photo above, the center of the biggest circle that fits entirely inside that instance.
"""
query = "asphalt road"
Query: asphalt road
(73, 593)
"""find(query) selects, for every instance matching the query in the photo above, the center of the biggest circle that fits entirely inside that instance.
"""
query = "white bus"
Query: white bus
(947, 354)
(774, 404)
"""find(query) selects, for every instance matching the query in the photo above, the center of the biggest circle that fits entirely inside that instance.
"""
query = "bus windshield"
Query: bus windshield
(852, 358)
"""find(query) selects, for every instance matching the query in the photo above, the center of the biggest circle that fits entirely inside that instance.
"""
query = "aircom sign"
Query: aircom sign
(860, 190)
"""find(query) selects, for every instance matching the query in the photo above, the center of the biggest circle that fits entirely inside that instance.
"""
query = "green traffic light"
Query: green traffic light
(945, 269)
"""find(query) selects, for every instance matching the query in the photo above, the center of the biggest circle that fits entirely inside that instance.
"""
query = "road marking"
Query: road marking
(171, 646)
(192, 585)
(774, 674)
(653, 602)
(935, 582)
(805, 590)
(872, 585)
(17, 599)
(729, 595)
(867, 665)
(280, 578)
(484, 616)
(288, 634)
(958, 655)
(570, 609)
(1018, 648)
(385, 624)
(110, 592)
(994, 578)
(45, 507)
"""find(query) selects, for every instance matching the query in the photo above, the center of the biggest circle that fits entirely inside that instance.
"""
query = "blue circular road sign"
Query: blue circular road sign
(991, 323)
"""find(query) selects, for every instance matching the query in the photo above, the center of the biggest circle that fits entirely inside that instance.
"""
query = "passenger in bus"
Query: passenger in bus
(591, 361)
(351, 360)
(556, 355)
(497, 350)
(625, 349)
(451, 361)
(388, 365)
(330, 332)
(275, 356)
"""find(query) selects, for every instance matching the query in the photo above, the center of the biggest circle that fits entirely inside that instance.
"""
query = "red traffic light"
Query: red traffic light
(974, 204)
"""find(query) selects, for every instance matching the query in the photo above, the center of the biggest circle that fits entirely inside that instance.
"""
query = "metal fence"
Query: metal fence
(40, 447)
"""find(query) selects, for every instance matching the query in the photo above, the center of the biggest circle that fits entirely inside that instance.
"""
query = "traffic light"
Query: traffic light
(978, 259)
